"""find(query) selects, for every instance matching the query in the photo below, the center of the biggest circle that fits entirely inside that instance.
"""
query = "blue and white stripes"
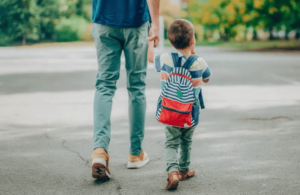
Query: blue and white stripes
(177, 83)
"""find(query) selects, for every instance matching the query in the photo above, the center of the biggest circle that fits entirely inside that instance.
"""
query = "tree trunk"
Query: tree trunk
(271, 37)
(245, 35)
(287, 34)
(205, 34)
(227, 34)
(24, 35)
(254, 38)
(297, 34)
(24, 39)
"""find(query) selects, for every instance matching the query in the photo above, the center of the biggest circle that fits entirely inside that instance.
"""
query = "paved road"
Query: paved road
(247, 141)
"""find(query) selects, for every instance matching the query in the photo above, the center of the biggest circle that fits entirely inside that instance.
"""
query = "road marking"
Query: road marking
(284, 79)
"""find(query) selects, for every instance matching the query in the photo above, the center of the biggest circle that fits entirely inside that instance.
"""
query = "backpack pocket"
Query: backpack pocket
(175, 113)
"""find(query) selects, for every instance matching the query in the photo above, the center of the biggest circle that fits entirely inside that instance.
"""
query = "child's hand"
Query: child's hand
(150, 42)
(150, 56)
(154, 35)
(193, 51)
(206, 80)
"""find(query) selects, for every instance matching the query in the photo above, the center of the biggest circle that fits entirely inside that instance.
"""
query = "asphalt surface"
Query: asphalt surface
(246, 143)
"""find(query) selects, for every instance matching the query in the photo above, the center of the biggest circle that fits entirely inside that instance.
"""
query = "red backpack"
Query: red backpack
(177, 105)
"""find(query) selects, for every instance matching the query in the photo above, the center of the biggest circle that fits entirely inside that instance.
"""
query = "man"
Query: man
(121, 25)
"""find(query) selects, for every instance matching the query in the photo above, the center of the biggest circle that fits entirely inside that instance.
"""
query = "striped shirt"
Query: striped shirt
(199, 70)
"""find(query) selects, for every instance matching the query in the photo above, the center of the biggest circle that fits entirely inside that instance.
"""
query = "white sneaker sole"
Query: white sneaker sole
(98, 167)
(137, 165)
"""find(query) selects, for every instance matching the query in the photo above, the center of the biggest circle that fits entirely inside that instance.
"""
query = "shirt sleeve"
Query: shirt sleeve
(157, 63)
(206, 69)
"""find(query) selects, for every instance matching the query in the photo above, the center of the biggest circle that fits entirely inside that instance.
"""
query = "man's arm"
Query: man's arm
(154, 12)
(150, 51)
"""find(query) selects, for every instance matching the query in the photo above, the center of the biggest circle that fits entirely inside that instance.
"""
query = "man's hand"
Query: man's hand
(154, 35)
(154, 12)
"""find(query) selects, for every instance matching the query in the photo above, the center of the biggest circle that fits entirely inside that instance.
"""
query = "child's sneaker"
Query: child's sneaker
(137, 161)
(173, 180)
(100, 168)
(184, 175)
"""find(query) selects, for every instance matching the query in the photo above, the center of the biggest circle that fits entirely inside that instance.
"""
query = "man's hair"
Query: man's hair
(180, 33)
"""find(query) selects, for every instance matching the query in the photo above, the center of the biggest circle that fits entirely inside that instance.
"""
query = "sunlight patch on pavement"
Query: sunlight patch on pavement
(230, 134)
(74, 108)
(244, 97)
(52, 66)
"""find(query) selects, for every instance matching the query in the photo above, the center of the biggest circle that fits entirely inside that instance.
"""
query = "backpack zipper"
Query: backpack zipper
(181, 112)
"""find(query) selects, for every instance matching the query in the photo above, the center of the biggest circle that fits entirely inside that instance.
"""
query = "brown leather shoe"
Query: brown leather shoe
(100, 168)
(173, 180)
(184, 175)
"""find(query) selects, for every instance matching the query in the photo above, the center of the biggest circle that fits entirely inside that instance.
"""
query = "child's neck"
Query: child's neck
(186, 52)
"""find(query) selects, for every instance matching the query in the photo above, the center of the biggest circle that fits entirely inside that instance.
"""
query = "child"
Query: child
(181, 97)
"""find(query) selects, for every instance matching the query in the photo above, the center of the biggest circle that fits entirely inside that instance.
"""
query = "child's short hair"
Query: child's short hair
(180, 32)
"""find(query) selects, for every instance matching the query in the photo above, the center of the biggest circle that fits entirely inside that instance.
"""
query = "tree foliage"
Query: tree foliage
(170, 12)
(35, 20)
(20, 19)
(227, 14)
(49, 16)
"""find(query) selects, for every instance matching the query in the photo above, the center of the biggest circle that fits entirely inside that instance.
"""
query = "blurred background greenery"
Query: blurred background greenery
(246, 23)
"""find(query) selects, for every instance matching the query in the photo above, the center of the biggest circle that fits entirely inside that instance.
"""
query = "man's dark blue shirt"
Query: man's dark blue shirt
(120, 13)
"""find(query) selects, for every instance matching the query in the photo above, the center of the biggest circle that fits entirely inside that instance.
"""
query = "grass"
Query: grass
(263, 45)
(57, 44)
(251, 45)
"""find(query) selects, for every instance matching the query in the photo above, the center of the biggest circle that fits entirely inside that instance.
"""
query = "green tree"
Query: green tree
(80, 8)
(251, 17)
(20, 20)
(217, 14)
(232, 15)
(49, 16)
(206, 13)
(295, 16)
(272, 14)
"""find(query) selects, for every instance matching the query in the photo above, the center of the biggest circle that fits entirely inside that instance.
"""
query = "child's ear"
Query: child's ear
(193, 40)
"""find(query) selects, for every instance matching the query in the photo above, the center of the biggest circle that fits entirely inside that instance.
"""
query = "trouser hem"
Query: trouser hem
(172, 169)
(135, 152)
(184, 169)
(105, 148)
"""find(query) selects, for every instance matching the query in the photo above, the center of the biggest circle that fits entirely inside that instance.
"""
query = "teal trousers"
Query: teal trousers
(176, 138)
(110, 42)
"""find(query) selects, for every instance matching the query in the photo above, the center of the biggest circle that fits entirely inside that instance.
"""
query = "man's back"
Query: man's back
(120, 13)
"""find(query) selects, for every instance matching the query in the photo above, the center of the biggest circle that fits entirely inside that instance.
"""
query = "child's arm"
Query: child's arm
(150, 51)
(204, 80)
(206, 74)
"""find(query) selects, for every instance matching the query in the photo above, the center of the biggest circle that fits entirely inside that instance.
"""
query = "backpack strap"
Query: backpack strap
(190, 61)
(202, 106)
(176, 60)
